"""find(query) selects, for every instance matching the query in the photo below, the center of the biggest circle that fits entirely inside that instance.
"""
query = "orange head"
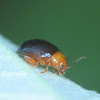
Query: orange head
(59, 62)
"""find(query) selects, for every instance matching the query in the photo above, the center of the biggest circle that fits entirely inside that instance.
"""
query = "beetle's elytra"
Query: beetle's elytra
(42, 52)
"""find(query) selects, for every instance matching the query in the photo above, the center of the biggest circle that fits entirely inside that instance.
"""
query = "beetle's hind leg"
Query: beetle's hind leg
(36, 64)
(31, 60)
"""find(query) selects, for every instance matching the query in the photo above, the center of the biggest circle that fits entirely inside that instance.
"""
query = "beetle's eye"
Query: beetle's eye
(61, 67)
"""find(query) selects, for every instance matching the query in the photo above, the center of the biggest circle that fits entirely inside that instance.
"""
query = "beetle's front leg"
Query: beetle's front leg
(54, 71)
(46, 69)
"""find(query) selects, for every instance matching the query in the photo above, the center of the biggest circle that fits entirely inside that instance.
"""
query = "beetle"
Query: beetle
(39, 51)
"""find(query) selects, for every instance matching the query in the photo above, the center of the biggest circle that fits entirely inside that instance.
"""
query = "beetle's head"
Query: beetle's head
(59, 62)
(62, 67)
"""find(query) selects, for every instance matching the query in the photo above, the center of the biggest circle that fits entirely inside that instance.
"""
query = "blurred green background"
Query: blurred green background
(72, 25)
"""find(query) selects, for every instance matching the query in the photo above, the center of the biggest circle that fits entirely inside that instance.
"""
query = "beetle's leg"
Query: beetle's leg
(42, 62)
(54, 71)
(37, 64)
(61, 74)
(31, 60)
(46, 69)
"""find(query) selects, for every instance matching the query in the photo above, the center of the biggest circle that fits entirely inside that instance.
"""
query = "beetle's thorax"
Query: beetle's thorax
(58, 59)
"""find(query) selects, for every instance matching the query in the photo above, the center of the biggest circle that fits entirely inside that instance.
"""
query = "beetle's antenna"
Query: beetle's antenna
(77, 61)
